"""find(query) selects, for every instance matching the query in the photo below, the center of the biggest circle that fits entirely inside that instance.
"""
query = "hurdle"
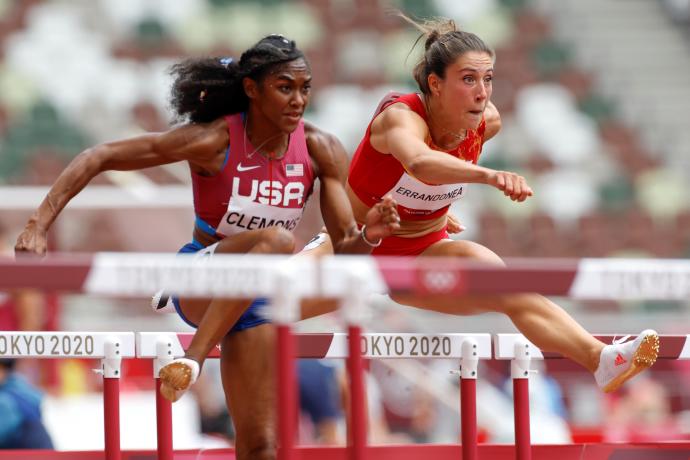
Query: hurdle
(133, 274)
(467, 348)
(109, 347)
(349, 279)
(520, 352)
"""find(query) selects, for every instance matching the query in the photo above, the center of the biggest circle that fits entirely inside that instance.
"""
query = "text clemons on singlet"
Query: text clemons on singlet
(266, 206)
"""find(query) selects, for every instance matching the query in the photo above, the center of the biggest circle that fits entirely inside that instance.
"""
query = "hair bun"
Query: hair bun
(431, 38)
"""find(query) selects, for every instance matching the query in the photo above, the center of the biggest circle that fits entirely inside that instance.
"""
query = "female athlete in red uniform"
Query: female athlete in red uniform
(253, 163)
(422, 149)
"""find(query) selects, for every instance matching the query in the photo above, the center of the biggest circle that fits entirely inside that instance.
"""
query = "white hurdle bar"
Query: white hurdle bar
(233, 276)
(110, 347)
(520, 352)
(467, 348)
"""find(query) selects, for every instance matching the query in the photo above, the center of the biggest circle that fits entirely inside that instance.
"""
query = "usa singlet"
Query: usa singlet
(374, 174)
(252, 192)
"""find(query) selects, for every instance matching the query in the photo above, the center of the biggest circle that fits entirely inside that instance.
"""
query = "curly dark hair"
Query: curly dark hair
(205, 89)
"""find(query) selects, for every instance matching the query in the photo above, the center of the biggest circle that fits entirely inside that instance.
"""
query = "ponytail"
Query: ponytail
(443, 44)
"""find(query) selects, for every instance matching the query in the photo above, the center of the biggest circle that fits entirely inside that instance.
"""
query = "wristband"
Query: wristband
(364, 237)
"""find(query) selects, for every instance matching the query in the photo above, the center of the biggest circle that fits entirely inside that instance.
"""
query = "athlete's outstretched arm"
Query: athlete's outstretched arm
(401, 132)
(197, 143)
(331, 165)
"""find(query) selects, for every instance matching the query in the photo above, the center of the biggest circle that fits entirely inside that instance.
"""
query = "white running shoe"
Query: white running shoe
(162, 302)
(177, 376)
(626, 358)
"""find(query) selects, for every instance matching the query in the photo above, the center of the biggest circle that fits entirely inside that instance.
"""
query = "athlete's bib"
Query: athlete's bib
(413, 194)
(245, 214)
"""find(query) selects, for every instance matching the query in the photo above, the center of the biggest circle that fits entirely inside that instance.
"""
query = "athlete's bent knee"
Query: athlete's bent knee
(279, 240)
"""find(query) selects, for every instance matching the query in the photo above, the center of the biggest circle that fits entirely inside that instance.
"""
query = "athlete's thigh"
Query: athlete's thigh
(319, 246)
(246, 241)
(453, 305)
(464, 249)
(248, 370)
(195, 308)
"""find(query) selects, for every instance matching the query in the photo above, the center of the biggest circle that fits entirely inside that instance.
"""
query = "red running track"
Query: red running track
(661, 451)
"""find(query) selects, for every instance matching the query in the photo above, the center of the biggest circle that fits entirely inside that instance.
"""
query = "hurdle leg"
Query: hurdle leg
(287, 393)
(110, 368)
(285, 312)
(164, 438)
(519, 371)
(468, 399)
(353, 310)
(358, 412)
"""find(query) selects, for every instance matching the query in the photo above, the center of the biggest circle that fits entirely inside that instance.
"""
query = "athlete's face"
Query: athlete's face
(283, 95)
(466, 89)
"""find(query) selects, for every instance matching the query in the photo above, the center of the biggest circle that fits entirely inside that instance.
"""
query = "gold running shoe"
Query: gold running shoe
(625, 358)
(177, 376)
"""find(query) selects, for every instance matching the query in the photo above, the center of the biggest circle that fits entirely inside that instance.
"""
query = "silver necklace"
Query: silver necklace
(245, 138)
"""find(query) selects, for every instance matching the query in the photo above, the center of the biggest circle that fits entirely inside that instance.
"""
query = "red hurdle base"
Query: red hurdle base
(164, 433)
(111, 411)
(661, 451)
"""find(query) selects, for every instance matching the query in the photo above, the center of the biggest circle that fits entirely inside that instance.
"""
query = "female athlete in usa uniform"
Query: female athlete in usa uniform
(253, 162)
